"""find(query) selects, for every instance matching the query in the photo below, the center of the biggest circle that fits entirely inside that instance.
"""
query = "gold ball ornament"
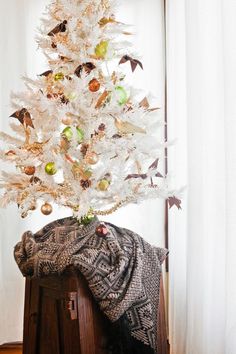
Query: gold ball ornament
(29, 170)
(92, 158)
(101, 49)
(103, 185)
(94, 85)
(46, 209)
(59, 76)
(50, 168)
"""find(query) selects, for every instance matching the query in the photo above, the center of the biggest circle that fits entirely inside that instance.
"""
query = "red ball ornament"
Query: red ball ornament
(101, 230)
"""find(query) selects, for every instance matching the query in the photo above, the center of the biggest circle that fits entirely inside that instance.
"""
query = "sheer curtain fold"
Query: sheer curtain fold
(209, 318)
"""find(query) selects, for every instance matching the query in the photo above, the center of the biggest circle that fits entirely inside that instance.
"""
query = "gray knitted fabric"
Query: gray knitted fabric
(122, 270)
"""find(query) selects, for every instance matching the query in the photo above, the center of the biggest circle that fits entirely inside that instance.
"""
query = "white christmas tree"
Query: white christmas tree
(84, 140)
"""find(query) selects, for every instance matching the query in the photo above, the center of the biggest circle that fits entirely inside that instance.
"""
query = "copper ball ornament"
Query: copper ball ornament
(29, 170)
(101, 230)
(46, 209)
(94, 85)
(92, 158)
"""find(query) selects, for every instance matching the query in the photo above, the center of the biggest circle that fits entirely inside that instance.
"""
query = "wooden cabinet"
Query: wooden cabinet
(61, 317)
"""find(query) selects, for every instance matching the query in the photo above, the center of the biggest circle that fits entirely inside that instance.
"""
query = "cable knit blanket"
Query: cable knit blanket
(122, 270)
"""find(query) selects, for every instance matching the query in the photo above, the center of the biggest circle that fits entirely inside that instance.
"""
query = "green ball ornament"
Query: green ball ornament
(122, 95)
(59, 76)
(101, 49)
(85, 220)
(80, 135)
(50, 168)
(68, 134)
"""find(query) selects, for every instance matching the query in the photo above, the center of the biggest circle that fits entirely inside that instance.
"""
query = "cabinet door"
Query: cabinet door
(48, 326)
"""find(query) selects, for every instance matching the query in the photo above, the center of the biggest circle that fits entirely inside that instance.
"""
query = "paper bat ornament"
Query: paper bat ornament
(133, 62)
(23, 117)
(145, 104)
(61, 27)
(125, 127)
(153, 166)
(88, 67)
(174, 201)
(46, 73)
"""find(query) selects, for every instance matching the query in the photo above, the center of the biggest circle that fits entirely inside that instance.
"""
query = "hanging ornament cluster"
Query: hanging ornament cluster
(84, 140)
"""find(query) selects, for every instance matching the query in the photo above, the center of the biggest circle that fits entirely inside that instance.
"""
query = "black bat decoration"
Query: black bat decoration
(61, 27)
(46, 73)
(23, 117)
(133, 62)
(153, 166)
(88, 67)
(174, 201)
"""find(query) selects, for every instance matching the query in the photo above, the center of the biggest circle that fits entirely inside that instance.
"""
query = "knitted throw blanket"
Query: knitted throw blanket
(122, 271)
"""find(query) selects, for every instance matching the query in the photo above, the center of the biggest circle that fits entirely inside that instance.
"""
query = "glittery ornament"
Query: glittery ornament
(101, 230)
(50, 168)
(122, 95)
(46, 209)
(59, 76)
(92, 158)
(94, 85)
(103, 185)
(101, 49)
(29, 170)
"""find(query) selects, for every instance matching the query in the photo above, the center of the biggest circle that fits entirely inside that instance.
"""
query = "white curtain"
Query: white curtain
(19, 56)
(201, 67)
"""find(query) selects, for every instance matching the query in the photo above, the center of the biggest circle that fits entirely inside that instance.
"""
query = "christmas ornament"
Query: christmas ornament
(46, 209)
(46, 73)
(87, 67)
(72, 96)
(103, 185)
(133, 62)
(29, 170)
(122, 95)
(85, 220)
(94, 85)
(92, 158)
(67, 120)
(59, 28)
(50, 168)
(59, 76)
(24, 215)
(101, 49)
(10, 153)
(24, 117)
(101, 230)
(87, 173)
(68, 134)
(124, 127)
(85, 183)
